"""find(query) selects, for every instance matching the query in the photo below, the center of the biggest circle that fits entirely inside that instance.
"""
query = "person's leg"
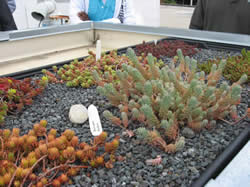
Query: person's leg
(6, 19)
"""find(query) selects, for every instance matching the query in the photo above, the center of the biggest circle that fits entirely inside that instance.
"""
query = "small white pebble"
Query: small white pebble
(78, 114)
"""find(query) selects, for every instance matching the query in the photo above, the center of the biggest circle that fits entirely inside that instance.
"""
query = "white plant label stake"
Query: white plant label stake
(98, 49)
(155, 41)
(94, 121)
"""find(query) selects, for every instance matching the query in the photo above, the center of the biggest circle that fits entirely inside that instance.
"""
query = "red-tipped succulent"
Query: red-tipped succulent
(35, 160)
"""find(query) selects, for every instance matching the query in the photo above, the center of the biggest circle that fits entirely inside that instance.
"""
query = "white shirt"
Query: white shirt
(77, 6)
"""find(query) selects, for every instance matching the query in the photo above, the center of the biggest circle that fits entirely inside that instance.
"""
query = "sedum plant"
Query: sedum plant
(168, 98)
(166, 48)
(80, 73)
(15, 94)
(235, 67)
(42, 158)
(3, 110)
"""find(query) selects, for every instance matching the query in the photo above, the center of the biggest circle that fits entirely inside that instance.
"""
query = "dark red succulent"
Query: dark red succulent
(166, 48)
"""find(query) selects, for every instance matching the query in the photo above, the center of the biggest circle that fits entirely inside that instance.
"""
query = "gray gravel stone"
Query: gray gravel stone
(139, 165)
(188, 133)
(191, 152)
(101, 172)
(134, 183)
(145, 184)
(164, 174)
(194, 170)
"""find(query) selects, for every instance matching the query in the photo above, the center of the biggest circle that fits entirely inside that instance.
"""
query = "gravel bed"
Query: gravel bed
(209, 54)
(180, 169)
(204, 55)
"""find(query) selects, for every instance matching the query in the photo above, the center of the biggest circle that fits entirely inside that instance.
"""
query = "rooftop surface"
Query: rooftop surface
(175, 16)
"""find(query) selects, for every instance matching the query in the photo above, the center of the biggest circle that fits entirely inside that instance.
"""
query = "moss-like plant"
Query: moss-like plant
(43, 159)
(165, 99)
(235, 67)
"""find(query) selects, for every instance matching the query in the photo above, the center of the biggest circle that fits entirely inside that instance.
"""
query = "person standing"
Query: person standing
(222, 16)
(115, 11)
(7, 22)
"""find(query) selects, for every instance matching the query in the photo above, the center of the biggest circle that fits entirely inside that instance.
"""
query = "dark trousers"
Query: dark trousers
(7, 22)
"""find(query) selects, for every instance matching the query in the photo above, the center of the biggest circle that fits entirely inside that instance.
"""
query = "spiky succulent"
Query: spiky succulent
(165, 99)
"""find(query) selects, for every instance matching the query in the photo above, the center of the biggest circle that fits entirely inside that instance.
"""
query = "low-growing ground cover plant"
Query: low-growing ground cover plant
(166, 48)
(15, 94)
(80, 73)
(169, 98)
(45, 159)
(235, 66)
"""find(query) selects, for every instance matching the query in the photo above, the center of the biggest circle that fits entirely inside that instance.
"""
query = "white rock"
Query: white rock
(78, 114)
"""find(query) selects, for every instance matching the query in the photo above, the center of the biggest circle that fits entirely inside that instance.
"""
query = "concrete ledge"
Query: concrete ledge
(237, 172)
(177, 5)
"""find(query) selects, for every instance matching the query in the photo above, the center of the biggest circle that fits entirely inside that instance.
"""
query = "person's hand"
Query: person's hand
(83, 16)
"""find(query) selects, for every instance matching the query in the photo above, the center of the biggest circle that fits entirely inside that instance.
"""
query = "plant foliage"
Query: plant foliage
(80, 73)
(45, 159)
(168, 98)
(15, 94)
(235, 67)
(166, 48)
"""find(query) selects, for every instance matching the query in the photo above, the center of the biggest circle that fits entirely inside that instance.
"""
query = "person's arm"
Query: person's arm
(12, 5)
(129, 16)
(77, 11)
(197, 20)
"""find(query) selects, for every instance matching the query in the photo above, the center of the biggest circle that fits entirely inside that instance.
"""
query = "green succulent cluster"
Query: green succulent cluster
(11, 95)
(76, 73)
(3, 111)
(206, 67)
(235, 67)
(166, 99)
(80, 73)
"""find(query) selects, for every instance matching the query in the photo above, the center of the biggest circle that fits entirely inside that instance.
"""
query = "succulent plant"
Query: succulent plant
(80, 73)
(165, 99)
(166, 48)
(3, 111)
(15, 94)
(235, 67)
(34, 159)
